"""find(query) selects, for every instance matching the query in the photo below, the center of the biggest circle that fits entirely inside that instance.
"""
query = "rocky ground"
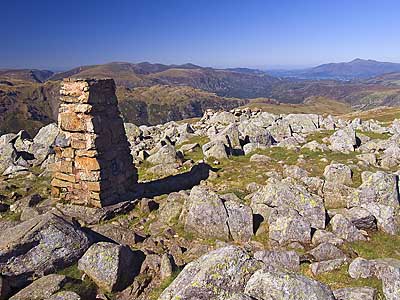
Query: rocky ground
(240, 205)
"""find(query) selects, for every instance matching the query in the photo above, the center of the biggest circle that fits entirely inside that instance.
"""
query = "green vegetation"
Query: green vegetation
(317, 105)
(85, 288)
(340, 278)
(156, 292)
(380, 245)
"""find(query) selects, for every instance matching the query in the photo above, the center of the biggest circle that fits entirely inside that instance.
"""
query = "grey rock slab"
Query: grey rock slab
(110, 266)
(42, 288)
(40, 246)
(240, 220)
(345, 230)
(271, 284)
(219, 273)
(355, 293)
(286, 226)
(287, 260)
(339, 173)
(326, 251)
(206, 214)
(327, 265)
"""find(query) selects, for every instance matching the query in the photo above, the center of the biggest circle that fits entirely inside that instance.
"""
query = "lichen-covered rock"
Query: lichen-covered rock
(40, 246)
(379, 187)
(240, 220)
(171, 209)
(343, 140)
(361, 218)
(42, 288)
(165, 155)
(229, 136)
(7, 152)
(219, 273)
(326, 251)
(323, 236)
(271, 284)
(327, 265)
(110, 266)
(337, 195)
(252, 133)
(391, 281)
(361, 268)
(303, 123)
(355, 293)
(339, 173)
(206, 214)
(215, 149)
(345, 230)
(286, 226)
(43, 142)
(287, 194)
(287, 260)
(387, 217)
(65, 295)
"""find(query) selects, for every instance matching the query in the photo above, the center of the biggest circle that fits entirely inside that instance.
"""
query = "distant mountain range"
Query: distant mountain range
(355, 69)
(156, 93)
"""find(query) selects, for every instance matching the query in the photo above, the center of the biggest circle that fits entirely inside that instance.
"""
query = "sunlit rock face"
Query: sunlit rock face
(93, 161)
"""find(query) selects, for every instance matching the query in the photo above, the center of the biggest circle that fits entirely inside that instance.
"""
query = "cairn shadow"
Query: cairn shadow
(176, 183)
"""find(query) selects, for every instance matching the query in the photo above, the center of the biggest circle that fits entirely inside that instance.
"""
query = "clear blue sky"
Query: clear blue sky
(223, 33)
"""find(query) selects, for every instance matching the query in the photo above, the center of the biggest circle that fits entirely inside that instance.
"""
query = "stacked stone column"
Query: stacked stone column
(94, 166)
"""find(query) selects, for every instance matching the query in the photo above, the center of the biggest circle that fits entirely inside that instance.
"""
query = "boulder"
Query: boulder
(343, 140)
(240, 220)
(259, 158)
(315, 146)
(387, 217)
(361, 268)
(345, 230)
(287, 194)
(326, 265)
(43, 142)
(355, 293)
(65, 295)
(132, 132)
(337, 195)
(379, 187)
(7, 152)
(230, 138)
(40, 246)
(303, 123)
(286, 260)
(252, 133)
(206, 214)
(111, 266)
(222, 117)
(391, 281)
(42, 288)
(286, 226)
(339, 173)
(270, 284)
(224, 271)
(361, 218)
(323, 236)
(326, 251)
(215, 149)
(165, 155)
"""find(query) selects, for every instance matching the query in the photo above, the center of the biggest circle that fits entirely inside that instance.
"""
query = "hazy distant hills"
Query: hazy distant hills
(155, 93)
(31, 75)
(240, 82)
(355, 69)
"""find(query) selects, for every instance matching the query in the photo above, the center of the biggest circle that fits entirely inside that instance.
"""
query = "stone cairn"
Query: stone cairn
(93, 165)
